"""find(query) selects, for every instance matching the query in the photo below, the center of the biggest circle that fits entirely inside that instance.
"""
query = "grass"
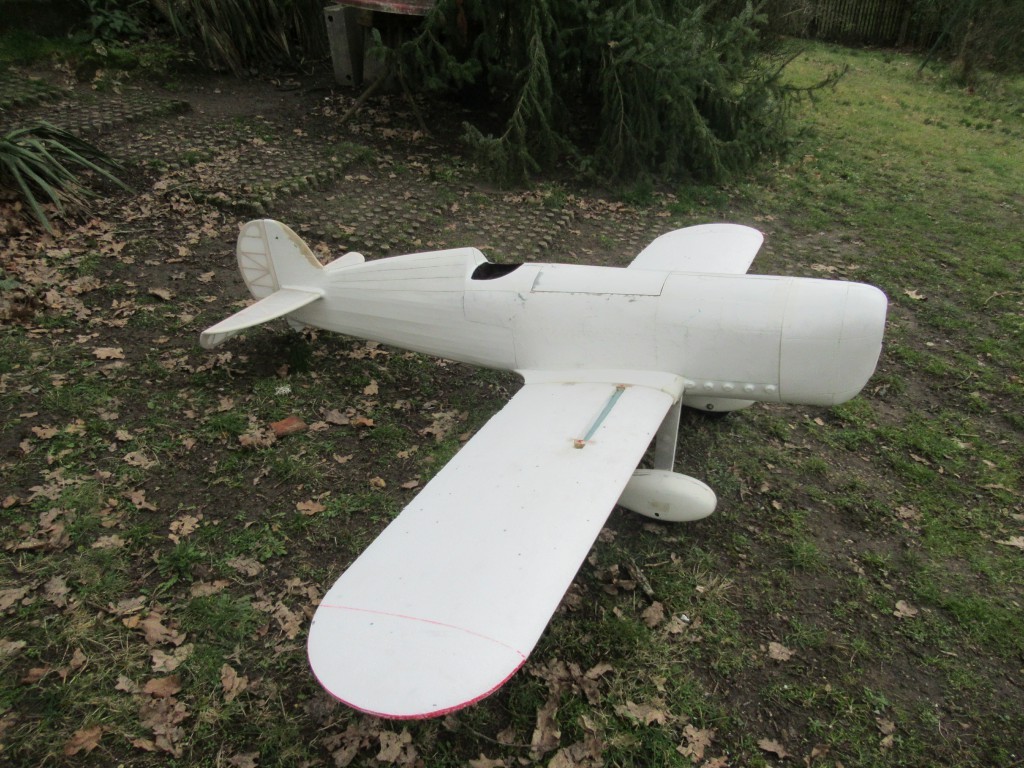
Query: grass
(132, 505)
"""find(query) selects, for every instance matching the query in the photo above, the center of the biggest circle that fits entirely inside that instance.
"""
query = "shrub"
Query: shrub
(622, 89)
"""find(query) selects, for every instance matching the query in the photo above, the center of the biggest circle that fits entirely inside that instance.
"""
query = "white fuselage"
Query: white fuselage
(743, 337)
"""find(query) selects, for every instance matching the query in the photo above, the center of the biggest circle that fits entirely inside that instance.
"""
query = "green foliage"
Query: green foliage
(241, 34)
(43, 161)
(624, 89)
(111, 20)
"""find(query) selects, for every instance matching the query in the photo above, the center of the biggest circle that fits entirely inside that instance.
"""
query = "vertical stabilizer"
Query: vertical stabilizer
(271, 256)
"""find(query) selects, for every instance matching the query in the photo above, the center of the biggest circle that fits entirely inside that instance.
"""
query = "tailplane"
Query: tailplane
(279, 270)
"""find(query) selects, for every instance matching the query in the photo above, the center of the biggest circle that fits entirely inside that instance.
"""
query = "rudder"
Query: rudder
(271, 256)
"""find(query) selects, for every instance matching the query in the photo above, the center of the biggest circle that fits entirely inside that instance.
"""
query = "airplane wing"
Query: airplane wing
(447, 603)
(715, 248)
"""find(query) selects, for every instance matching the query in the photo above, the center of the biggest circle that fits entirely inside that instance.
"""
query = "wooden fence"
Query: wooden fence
(857, 22)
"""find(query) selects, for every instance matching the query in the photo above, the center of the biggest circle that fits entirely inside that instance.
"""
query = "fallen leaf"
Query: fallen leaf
(647, 714)
(232, 683)
(486, 762)
(779, 652)
(396, 748)
(653, 615)
(771, 745)
(9, 597)
(697, 741)
(546, 733)
(914, 294)
(162, 687)
(161, 293)
(182, 527)
(336, 417)
(1013, 541)
(108, 353)
(207, 588)
(371, 388)
(84, 740)
(35, 674)
(885, 726)
(246, 565)
(168, 662)
(156, 633)
(905, 610)
(310, 507)
(108, 542)
(138, 459)
(10, 647)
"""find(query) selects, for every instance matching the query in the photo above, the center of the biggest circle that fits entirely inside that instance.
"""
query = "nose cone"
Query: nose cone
(831, 340)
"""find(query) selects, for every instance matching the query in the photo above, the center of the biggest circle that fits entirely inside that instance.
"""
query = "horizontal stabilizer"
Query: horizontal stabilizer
(277, 304)
(724, 249)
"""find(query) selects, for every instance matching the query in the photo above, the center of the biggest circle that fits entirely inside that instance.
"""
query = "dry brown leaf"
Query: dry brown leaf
(108, 542)
(310, 507)
(127, 606)
(653, 615)
(161, 293)
(35, 674)
(183, 526)
(647, 714)
(378, 482)
(885, 726)
(371, 389)
(162, 687)
(246, 565)
(108, 353)
(8, 597)
(486, 762)
(156, 633)
(244, 760)
(232, 683)
(774, 747)
(779, 652)
(396, 748)
(10, 647)
(168, 662)
(138, 459)
(84, 740)
(546, 733)
(1013, 541)
(336, 417)
(697, 741)
(905, 610)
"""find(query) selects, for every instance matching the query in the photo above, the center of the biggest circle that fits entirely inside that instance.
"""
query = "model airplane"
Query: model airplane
(446, 604)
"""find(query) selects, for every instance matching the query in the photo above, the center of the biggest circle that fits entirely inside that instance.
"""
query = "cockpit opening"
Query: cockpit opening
(489, 271)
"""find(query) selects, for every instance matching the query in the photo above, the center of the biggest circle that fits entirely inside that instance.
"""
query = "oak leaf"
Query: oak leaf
(162, 687)
(83, 740)
(771, 745)
(779, 652)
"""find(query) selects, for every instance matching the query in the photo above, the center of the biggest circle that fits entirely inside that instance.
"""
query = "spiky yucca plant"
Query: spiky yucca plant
(42, 162)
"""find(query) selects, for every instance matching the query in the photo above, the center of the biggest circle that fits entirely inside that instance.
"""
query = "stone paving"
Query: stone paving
(375, 184)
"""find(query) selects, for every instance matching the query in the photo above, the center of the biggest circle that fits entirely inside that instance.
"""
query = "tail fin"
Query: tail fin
(279, 270)
(271, 256)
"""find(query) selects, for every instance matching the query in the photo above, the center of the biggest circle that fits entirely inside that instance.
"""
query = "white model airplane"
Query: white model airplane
(446, 604)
